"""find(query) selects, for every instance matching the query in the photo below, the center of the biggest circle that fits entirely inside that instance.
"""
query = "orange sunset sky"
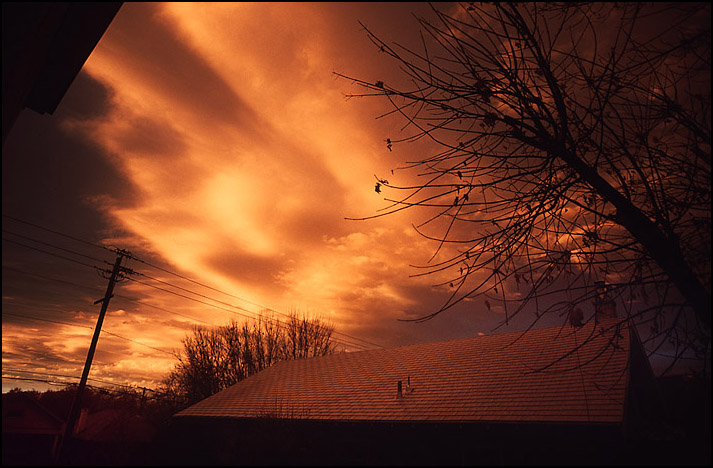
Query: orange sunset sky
(214, 141)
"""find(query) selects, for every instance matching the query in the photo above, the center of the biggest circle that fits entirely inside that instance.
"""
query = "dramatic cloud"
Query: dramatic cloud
(228, 153)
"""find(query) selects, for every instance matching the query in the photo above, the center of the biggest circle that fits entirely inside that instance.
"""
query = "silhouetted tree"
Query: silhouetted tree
(213, 359)
(572, 158)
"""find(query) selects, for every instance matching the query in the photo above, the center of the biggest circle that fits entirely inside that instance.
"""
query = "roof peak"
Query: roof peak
(562, 374)
(606, 325)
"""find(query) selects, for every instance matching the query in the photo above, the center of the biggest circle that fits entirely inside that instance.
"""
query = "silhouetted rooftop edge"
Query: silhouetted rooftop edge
(559, 374)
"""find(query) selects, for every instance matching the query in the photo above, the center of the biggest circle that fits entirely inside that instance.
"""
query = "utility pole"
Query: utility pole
(76, 403)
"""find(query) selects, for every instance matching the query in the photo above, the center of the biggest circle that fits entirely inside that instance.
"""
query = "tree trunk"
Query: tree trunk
(665, 251)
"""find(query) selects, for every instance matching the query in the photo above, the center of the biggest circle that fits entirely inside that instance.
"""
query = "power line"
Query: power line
(223, 308)
(97, 291)
(44, 373)
(194, 281)
(56, 232)
(139, 343)
(53, 246)
(197, 294)
(49, 374)
(192, 292)
(85, 326)
(191, 298)
(61, 309)
(50, 253)
(163, 309)
(47, 320)
(123, 388)
(239, 307)
(171, 273)
(50, 382)
(255, 314)
(49, 278)
(114, 334)
(231, 311)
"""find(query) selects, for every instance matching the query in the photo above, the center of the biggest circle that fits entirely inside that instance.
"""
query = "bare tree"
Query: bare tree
(304, 338)
(213, 359)
(572, 161)
(201, 368)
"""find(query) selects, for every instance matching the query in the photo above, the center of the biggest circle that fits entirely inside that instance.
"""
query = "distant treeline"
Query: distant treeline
(215, 358)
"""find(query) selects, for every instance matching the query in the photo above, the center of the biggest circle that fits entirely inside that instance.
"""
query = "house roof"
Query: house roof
(561, 374)
(114, 424)
(22, 414)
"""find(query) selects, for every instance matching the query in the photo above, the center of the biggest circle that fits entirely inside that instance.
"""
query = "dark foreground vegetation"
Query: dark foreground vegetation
(115, 427)
(136, 428)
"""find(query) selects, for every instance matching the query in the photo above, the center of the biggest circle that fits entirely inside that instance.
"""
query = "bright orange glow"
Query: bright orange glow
(245, 159)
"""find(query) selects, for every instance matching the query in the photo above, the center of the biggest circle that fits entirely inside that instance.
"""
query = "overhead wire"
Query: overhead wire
(139, 343)
(166, 290)
(128, 339)
(120, 296)
(232, 305)
(50, 253)
(126, 298)
(350, 337)
(53, 246)
(28, 317)
(46, 320)
(121, 389)
(94, 289)
(56, 232)
(49, 374)
(193, 292)
(49, 382)
(193, 281)
(189, 298)
(255, 314)
(96, 267)
(79, 363)
(164, 309)
(343, 342)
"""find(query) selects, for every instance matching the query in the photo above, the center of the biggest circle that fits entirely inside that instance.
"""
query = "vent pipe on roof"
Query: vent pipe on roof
(408, 386)
(401, 392)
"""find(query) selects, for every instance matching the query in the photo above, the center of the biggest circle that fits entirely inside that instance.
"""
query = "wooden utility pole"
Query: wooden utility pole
(76, 403)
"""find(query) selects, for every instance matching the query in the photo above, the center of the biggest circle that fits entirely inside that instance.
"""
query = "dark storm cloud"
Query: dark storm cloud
(50, 173)
(86, 99)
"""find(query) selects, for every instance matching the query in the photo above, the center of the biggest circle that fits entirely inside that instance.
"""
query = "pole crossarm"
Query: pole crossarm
(117, 273)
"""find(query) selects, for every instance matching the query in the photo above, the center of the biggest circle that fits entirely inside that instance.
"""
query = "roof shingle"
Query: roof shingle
(560, 374)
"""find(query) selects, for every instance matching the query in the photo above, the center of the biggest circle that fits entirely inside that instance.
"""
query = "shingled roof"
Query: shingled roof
(562, 374)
